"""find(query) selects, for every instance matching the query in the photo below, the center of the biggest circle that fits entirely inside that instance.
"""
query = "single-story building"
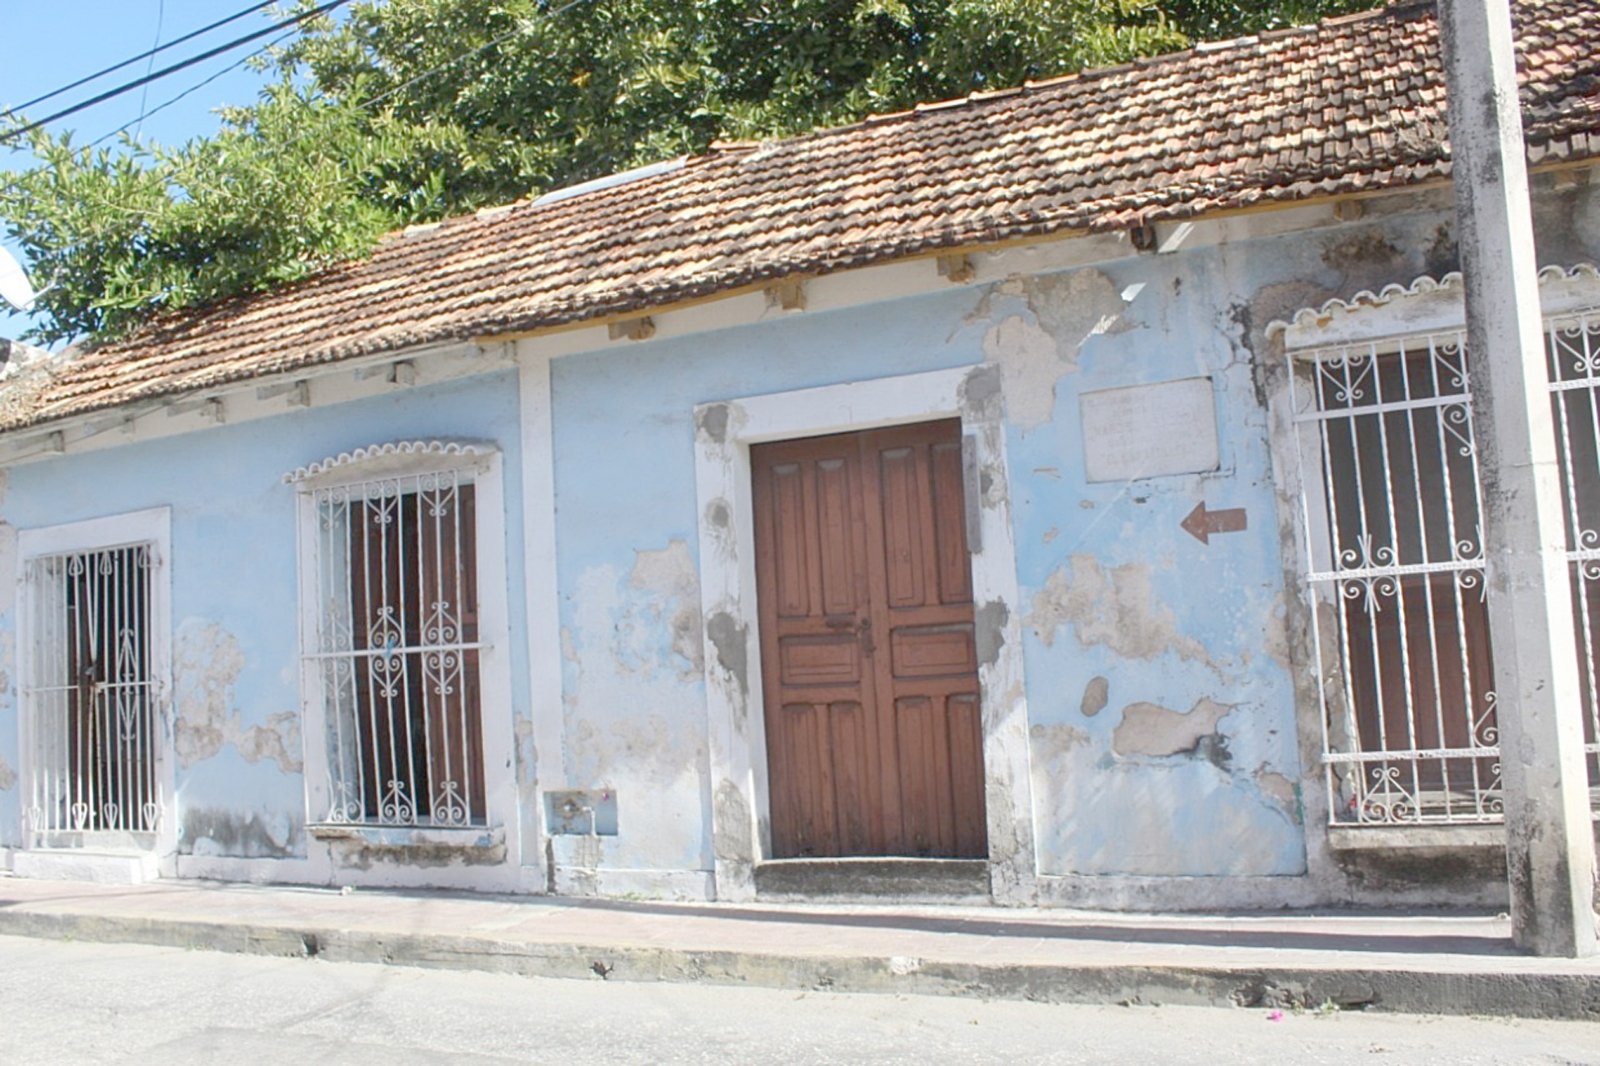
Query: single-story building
(1065, 494)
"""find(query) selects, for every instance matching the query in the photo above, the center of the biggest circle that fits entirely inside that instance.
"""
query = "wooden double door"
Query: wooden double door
(870, 679)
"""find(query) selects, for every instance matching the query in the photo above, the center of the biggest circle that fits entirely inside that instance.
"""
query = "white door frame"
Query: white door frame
(724, 431)
(153, 527)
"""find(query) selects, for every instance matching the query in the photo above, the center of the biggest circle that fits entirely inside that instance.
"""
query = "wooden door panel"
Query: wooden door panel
(836, 547)
(788, 548)
(900, 502)
(932, 651)
(830, 660)
(855, 783)
(870, 671)
(924, 741)
(966, 774)
(954, 573)
(803, 780)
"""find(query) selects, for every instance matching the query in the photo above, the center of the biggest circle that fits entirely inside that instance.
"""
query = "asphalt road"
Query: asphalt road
(69, 1002)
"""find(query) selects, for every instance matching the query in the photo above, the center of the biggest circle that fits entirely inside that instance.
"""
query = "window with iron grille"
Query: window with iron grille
(1395, 568)
(394, 648)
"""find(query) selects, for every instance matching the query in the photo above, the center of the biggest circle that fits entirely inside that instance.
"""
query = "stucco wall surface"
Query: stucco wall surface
(235, 685)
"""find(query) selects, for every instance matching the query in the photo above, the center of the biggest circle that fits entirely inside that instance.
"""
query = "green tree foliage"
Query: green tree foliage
(411, 110)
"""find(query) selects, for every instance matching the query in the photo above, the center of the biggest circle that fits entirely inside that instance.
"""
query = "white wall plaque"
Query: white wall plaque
(1149, 430)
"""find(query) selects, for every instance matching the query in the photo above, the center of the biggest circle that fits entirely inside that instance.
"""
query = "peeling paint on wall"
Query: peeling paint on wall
(732, 814)
(1116, 608)
(729, 638)
(1095, 695)
(1035, 349)
(248, 834)
(1051, 742)
(1150, 729)
(670, 574)
(206, 663)
(8, 776)
(1279, 789)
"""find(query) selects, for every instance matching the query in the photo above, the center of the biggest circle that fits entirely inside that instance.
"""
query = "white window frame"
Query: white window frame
(154, 528)
(1427, 312)
(482, 463)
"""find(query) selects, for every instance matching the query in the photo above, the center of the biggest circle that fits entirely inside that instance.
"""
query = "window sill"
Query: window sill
(1390, 837)
(465, 838)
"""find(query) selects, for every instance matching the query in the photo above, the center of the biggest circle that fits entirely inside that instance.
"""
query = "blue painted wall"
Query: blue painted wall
(234, 592)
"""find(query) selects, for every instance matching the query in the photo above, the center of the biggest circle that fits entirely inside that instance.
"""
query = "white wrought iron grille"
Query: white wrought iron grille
(1573, 347)
(1391, 501)
(395, 646)
(91, 705)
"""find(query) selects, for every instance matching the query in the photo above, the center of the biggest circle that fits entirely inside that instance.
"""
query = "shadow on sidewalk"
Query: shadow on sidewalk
(1085, 930)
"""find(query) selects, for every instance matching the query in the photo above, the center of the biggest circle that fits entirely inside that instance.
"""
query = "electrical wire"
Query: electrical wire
(269, 46)
(53, 93)
(173, 69)
(553, 13)
(144, 93)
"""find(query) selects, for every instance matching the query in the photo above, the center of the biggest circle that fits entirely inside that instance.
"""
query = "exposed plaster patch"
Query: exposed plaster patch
(711, 422)
(980, 393)
(1279, 789)
(1116, 608)
(1050, 535)
(1363, 252)
(1280, 301)
(728, 636)
(670, 573)
(1150, 729)
(1275, 632)
(989, 630)
(1443, 255)
(732, 814)
(1051, 742)
(1035, 350)
(245, 834)
(8, 776)
(527, 756)
(206, 663)
(356, 854)
(1095, 695)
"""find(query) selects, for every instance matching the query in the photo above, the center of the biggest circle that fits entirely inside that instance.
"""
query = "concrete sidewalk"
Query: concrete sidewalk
(1415, 963)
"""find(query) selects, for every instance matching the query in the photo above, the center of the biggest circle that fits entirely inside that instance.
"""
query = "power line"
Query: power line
(295, 20)
(144, 93)
(143, 55)
(193, 88)
(446, 65)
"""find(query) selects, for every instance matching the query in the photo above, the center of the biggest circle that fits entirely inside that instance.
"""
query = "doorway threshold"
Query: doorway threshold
(874, 878)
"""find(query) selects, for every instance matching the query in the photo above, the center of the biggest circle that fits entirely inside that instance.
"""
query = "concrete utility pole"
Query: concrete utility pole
(1550, 856)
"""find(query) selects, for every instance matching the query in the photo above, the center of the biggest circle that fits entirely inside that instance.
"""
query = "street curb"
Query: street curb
(1571, 996)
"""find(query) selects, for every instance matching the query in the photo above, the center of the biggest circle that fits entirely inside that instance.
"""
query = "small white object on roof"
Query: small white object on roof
(15, 288)
(612, 180)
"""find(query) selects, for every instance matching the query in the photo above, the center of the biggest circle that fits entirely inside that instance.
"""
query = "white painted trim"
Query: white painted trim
(1426, 306)
(404, 457)
(736, 742)
(268, 396)
(151, 526)
(542, 603)
(494, 661)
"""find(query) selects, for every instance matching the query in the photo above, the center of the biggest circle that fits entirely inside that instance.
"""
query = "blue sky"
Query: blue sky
(49, 43)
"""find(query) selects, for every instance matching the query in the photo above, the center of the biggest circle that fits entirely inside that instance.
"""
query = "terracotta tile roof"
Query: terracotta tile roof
(1353, 104)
